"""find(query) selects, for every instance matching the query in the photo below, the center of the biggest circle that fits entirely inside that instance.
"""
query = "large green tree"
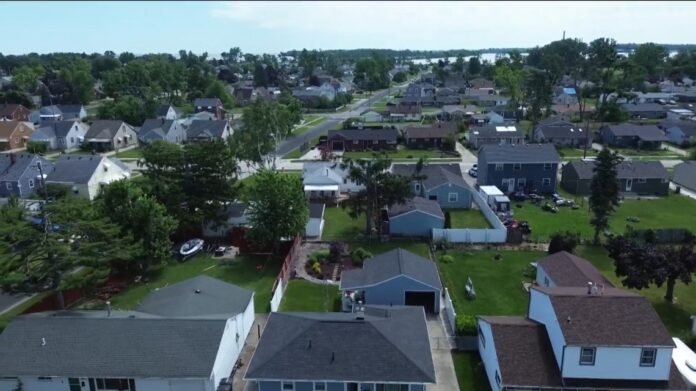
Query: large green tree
(651, 57)
(277, 208)
(604, 190)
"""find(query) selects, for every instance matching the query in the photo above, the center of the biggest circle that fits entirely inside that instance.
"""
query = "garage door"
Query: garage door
(337, 145)
(423, 299)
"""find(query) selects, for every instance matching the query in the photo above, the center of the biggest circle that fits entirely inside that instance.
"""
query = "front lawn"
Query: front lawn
(646, 152)
(674, 211)
(311, 121)
(576, 153)
(135, 153)
(498, 283)
(467, 218)
(307, 296)
(471, 374)
(404, 153)
(255, 273)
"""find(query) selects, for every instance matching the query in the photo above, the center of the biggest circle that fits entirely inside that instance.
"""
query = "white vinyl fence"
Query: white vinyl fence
(497, 234)
(277, 296)
(450, 312)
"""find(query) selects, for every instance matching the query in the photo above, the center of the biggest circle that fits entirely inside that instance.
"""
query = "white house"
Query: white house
(579, 338)
(234, 215)
(371, 116)
(565, 269)
(86, 174)
(183, 337)
(326, 180)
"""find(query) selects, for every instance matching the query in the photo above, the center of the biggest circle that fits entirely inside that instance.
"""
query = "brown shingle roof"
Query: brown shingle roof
(7, 128)
(433, 131)
(614, 317)
(524, 352)
(566, 269)
(405, 109)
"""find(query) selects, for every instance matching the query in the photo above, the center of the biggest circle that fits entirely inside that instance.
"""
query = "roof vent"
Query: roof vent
(197, 291)
(43, 341)
(589, 287)
(568, 319)
(309, 344)
(333, 357)
(108, 309)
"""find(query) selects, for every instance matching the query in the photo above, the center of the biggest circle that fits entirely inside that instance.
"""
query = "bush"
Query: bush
(321, 256)
(37, 147)
(316, 268)
(359, 255)
(336, 250)
(448, 220)
(446, 259)
(466, 325)
(563, 241)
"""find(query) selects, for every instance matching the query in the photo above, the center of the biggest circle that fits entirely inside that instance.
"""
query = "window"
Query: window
(642, 180)
(345, 181)
(547, 166)
(45, 378)
(517, 166)
(497, 378)
(288, 386)
(319, 386)
(72, 139)
(546, 181)
(355, 141)
(8, 185)
(647, 357)
(499, 167)
(31, 183)
(546, 281)
(587, 356)
(453, 197)
(432, 197)
(482, 337)
(417, 187)
(115, 384)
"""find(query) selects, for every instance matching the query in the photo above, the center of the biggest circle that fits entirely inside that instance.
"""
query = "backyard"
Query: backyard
(338, 225)
(307, 296)
(255, 273)
(471, 374)
(576, 153)
(467, 218)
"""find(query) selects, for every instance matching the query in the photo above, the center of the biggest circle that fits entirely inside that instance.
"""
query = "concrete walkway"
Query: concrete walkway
(306, 250)
(441, 351)
(674, 149)
(238, 383)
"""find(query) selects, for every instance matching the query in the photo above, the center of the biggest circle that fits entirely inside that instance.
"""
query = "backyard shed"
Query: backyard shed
(397, 277)
(495, 198)
(415, 217)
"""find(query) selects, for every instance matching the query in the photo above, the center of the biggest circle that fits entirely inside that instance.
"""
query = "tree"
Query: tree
(128, 108)
(511, 81)
(601, 59)
(260, 77)
(277, 208)
(79, 81)
(399, 77)
(474, 67)
(26, 78)
(539, 90)
(218, 89)
(563, 241)
(381, 188)
(458, 66)
(604, 188)
(642, 263)
(651, 57)
(372, 73)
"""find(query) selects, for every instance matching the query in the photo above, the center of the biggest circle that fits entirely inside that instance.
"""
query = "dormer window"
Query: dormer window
(647, 357)
(587, 356)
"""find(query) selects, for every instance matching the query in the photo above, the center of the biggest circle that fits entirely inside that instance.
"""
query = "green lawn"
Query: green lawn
(135, 153)
(471, 375)
(307, 296)
(248, 181)
(255, 273)
(338, 225)
(574, 153)
(468, 218)
(404, 153)
(498, 284)
(310, 122)
(645, 152)
(674, 211)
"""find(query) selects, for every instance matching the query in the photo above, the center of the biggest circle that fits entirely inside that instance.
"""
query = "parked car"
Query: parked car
(473, 172)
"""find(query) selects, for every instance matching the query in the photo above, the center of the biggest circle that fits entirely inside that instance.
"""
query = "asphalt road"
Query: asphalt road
(333, 119)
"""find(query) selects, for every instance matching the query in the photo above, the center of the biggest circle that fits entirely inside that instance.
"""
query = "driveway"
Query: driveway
(441, 351)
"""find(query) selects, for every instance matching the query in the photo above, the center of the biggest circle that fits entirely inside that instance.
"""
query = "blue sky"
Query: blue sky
(258, 27)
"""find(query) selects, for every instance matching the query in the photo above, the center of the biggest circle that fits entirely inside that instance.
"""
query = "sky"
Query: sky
(272, 27)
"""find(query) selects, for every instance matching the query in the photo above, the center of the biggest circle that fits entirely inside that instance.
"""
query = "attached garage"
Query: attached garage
(397, 277)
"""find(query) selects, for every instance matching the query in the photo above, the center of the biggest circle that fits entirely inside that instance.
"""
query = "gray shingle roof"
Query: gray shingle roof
(491, 131)
(394, 263)
(58, 128)
(436, 174)
(70, 110)
(434, 131)
(109, 347)
(197, 297)
(644, 132)
(78, 168)
(155, 129)
(607, 319)
(391, 344)
(566, 269)
(563, 129)
(526, 153)
(419, 204)
(103, 129)
(206, 129)
(365, 134)
(639, 107)
(50, 111)
(685, 174)
(12, 172)
(625, 169)
(205, 102)
(687, 127)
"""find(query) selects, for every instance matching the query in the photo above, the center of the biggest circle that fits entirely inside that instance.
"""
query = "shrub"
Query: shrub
(321, 256)
(359, 255)
(563, 241)
(466, 325)
(448, 220)
(336, 250)
(37, 147)
(316, 268)
(446, 259)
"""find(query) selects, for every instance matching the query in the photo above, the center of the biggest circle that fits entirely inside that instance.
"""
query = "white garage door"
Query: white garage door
(186, 385)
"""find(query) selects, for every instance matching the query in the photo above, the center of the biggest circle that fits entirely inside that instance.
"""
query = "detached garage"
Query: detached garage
(397, 277)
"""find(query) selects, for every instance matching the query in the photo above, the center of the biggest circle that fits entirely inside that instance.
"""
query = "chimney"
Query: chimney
(108, 309)
(589, 287)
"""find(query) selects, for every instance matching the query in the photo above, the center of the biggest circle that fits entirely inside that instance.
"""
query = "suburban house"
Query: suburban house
(203, 131)
(442, 183)
(644, 110)
(491, 100)
(210, 105)
(50, 114)
(379, 348)
(565, 96)
(245, 96)
(313, 94)
(13, 112)
(415, 217)
(490, 117)
(632, 136)
(684, 175)
(72, 112)
(456, 83)
(565, 269)
(371, 116)
(326, 180)
(362, 139)
(168, 130)
(396, 277)
(19, 174)
(681, 132)
(315, 225)
(14, 134)
(580, 338)
(428, 78)
(234, 214)
(562, 133)
(85, 174)
(458, 112)
(495, 134)
(185, 336)
(434, 136)
(168, 112)
(402, 112)
(636, 177)
(481, 84)
(678, 114)
(60, 135)
(108, 135)
(513, 167)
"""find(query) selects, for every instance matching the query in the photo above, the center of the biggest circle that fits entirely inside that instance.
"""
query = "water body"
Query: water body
(491, 57)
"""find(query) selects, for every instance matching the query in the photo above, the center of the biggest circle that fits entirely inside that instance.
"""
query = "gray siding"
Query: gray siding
(442, 193)
(651, 187)
(269, 386)
(304, 386)
(335, 387)
(393, 292)
(532, 174)
(415, 224)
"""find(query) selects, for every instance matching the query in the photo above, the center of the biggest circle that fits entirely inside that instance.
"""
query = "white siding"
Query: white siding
(232, 342)
(314, 227)
(489, 356)
(152, 384)
(34, 384)
(111, 174)
(540, 309)
(188, 385)
(617, 363)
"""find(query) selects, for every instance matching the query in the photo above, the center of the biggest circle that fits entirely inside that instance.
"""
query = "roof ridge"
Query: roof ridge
(309, 322)
(406, 356)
